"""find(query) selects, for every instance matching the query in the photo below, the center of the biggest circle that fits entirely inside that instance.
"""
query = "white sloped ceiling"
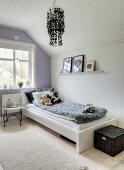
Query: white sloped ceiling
(87, 22)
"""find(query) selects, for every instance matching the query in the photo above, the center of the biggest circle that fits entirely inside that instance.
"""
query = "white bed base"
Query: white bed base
(84, 138)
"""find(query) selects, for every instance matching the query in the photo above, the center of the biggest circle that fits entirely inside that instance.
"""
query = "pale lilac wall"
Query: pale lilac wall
(43, 62)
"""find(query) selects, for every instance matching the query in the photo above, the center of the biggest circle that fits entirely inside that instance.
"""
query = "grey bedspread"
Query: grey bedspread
(74, 110)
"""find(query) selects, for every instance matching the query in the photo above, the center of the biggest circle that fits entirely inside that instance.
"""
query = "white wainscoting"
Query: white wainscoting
(13, 97)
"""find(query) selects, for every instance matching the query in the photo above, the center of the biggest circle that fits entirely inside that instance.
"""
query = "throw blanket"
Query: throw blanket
(75, 111)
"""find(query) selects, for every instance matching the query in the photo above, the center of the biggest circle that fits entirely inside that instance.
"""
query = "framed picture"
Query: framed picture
(90, 66)
(78, 63)
(67, 64)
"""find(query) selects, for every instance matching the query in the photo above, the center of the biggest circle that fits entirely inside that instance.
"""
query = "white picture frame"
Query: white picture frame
(90, 66)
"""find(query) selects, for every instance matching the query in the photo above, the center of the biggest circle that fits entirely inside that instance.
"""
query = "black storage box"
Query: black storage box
(109, 139)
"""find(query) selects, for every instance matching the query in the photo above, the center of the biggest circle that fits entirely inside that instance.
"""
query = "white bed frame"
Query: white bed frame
(84, 138)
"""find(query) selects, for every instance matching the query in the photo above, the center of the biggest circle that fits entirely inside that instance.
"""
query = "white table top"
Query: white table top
(13, 108)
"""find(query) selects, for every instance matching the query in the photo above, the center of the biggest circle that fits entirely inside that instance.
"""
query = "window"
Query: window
(15, 66)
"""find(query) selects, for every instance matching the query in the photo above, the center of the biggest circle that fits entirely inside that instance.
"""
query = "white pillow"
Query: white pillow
(24, 98)
(37, 96)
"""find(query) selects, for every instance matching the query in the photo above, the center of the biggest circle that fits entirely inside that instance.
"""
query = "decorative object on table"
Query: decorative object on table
(109, 139)
(55, 25)
(20, 84)
(90, 66)
(78, 63)
(67, 65)
(5, 86)
(9, 103)
(15, 104)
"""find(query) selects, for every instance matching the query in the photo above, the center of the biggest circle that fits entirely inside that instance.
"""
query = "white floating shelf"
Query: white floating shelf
(85, 72)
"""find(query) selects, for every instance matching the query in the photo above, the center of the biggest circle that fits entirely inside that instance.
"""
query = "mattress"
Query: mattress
(32, 110)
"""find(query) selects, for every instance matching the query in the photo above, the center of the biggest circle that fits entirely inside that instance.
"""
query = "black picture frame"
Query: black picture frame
(67, 64)
(78, 63)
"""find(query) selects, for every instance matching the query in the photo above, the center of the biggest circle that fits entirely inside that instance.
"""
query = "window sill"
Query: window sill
(16, 89)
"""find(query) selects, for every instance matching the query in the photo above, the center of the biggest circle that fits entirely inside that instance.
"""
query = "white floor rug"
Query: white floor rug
(1, 167)
(31, 147)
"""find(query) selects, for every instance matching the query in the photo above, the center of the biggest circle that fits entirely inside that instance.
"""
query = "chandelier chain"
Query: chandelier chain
(54, 3)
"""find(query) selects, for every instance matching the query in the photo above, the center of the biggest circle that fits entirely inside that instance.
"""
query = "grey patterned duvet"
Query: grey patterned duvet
(75, 111)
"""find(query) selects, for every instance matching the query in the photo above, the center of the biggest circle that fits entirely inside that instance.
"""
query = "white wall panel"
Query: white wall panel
(102, 89)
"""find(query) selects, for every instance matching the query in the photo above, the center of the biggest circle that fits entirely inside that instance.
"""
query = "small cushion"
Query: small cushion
(45, 100)
(37, 96)
(30, 96)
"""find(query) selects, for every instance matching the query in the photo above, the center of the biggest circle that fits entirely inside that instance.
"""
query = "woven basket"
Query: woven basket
(109, 140)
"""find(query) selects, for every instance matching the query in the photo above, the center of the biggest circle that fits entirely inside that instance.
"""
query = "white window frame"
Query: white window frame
(32, 55)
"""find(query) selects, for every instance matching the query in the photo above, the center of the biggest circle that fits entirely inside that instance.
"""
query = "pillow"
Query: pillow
(54, 97)
(30, 96)
(37, 96)
(24, 97)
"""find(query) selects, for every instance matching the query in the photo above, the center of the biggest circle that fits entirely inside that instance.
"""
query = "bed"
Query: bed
(82, 133)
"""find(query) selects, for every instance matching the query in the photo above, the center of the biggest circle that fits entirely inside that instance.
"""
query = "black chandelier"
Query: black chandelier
(55, 25)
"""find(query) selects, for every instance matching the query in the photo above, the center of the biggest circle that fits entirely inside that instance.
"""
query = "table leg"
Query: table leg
(4, 118)
(21, 118)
